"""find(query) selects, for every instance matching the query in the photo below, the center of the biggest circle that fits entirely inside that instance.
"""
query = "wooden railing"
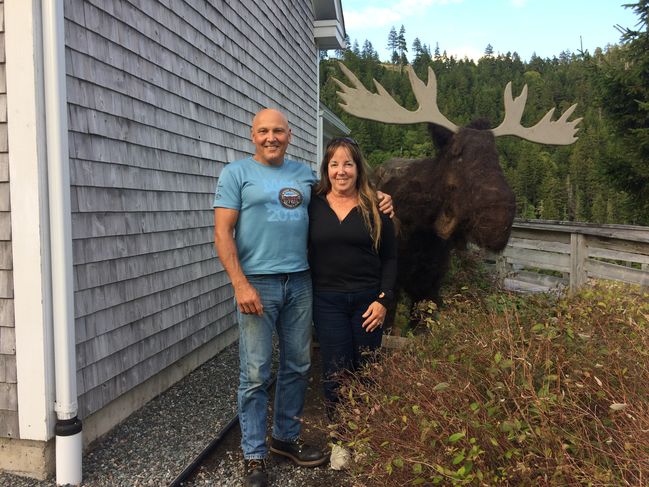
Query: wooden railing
(543, 255)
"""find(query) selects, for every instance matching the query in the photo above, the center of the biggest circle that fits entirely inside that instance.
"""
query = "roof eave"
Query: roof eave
(328, 24)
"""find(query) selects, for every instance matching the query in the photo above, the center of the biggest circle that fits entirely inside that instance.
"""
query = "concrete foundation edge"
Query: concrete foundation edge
(36, 459)
(27, 458)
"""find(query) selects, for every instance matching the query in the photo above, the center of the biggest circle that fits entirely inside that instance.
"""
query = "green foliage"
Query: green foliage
(602, 178)
(509, 389)
(467, 271)
(622, 76)
(466, 267)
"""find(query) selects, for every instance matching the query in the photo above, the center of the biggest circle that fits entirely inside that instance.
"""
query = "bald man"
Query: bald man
(261, 226)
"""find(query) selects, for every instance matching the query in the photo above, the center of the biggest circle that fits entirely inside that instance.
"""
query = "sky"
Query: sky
(465, 27)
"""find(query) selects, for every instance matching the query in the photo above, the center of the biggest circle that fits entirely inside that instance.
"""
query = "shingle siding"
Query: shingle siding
(160, 97)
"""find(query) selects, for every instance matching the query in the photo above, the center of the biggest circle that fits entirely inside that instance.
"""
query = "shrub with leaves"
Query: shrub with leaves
(465, 267)
(511, 390)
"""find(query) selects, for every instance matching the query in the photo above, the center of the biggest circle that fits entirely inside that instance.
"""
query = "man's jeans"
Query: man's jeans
(287, 300)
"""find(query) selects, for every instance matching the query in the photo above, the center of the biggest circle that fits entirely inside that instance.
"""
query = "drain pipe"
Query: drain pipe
(68, 425)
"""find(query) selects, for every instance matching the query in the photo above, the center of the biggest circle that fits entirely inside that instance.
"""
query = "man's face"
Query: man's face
(271, 135)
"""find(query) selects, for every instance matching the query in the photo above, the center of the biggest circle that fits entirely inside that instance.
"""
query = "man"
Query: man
(265, 199)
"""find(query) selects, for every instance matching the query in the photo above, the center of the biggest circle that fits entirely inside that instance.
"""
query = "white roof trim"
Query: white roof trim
(332, 123)
(328, 34)
(328, 24)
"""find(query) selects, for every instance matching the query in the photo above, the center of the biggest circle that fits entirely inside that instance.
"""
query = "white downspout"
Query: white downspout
(68, 426)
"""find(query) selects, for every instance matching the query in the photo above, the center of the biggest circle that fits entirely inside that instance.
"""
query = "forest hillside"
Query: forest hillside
(602, 178)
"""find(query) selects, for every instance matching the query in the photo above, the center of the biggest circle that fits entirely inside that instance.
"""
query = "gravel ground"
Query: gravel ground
(156, 442)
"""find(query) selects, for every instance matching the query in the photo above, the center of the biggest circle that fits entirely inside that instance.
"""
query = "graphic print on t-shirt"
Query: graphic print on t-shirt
(286, 202)
(290, 198)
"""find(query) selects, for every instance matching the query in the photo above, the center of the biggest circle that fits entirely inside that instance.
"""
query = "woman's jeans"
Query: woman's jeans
(344, 343)
(287, 300)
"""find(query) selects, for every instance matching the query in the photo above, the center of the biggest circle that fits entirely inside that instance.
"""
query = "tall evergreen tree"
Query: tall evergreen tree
(368, 51)
(417, 48)
(392, 39)
(356, 49)
(402, 45)
(625, 99)
(393, 44)
(340, 53)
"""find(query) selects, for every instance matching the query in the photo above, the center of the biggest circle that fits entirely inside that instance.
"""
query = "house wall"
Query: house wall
(8, 391)
(160, 96)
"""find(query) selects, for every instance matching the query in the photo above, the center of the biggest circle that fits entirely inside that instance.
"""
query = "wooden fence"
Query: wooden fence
(543, 255)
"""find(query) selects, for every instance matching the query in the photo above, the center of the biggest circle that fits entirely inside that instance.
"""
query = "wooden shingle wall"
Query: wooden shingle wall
(160, 95)
(8, 391)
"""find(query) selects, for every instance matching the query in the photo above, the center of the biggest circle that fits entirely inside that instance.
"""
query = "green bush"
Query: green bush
(509, 389)
(465, 267)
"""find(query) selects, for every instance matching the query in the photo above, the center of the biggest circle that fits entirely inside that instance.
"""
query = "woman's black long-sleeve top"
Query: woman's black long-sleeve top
(341, 254)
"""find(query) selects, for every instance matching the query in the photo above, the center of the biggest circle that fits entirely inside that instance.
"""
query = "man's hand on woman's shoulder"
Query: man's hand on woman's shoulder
(385, 203)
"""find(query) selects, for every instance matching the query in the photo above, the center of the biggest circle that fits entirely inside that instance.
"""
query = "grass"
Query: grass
(505, 389)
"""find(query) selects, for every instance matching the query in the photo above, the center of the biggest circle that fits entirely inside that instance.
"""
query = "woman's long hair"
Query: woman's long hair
(367, 199)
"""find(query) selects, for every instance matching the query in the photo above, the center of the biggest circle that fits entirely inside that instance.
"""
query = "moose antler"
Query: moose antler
(546, 131)
(360, 102)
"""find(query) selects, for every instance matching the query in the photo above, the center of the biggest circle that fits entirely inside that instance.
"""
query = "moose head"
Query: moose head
(461, 196)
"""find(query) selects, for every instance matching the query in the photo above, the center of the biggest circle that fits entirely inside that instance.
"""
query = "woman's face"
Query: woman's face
(342, 171)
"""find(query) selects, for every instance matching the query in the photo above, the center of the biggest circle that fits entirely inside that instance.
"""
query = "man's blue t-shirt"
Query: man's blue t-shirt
(272, 228)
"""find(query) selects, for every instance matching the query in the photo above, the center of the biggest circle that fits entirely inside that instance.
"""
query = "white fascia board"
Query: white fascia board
(329, 127)
(332, 124)
(329, 34)
(29, 222)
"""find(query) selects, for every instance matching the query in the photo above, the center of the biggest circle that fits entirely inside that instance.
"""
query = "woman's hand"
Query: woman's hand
(385, 203)
(374, 316)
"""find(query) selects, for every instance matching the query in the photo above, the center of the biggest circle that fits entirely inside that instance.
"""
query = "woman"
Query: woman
(352, 255)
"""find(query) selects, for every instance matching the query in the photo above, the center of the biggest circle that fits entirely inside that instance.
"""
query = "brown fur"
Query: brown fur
(461, 196)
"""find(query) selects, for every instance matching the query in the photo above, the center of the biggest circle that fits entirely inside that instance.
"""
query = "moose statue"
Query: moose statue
(461, 196)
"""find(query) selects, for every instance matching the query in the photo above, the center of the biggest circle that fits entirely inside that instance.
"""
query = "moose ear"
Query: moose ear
(441, 136)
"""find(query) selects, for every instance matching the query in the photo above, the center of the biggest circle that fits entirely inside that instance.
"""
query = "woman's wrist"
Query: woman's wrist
(385, 298)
